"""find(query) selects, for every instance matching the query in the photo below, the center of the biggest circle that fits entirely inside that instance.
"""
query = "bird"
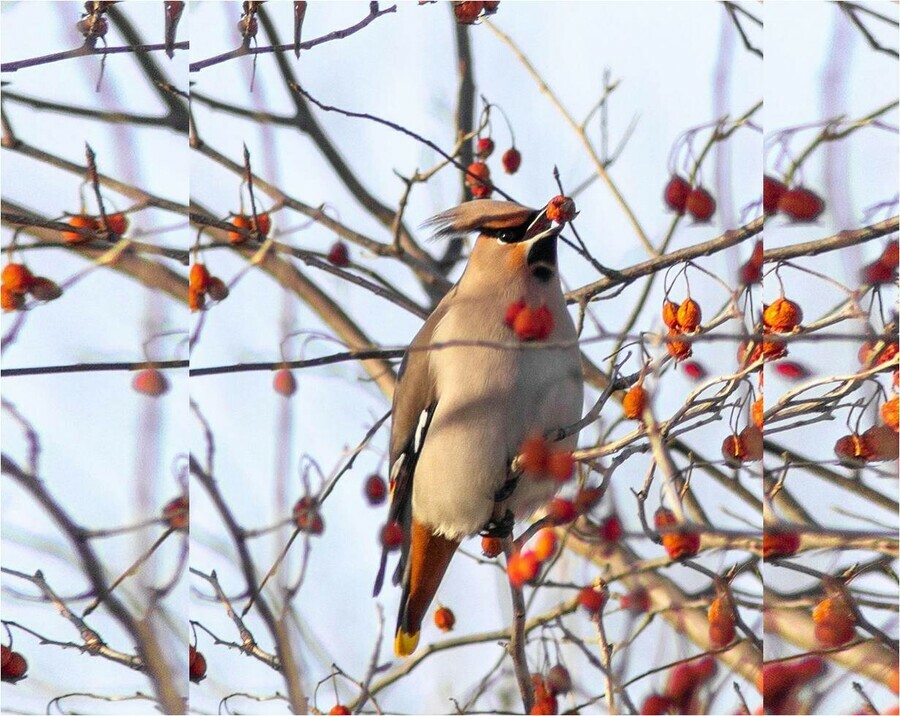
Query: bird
(460, 412)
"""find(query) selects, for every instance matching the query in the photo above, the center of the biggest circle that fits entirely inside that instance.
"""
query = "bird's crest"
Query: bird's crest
(477, 215)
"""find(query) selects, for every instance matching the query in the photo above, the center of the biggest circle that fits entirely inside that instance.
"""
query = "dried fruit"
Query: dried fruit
(284, 382)
(779, 543)
(851, 450)
(679, 349)
(889, 413)
(199, 278)
(217, 290)
(196, 299)
(670, 314)
(150, 382)
(561, 209)
(611, 529)
(467, 12)
(561, 511)
(17, 278)
(522, 568)
(484, 147)
(586, 498)
(375, 489)
(835, 622)
(561, 465)
(880, 443)
(679, 543)
(657, 704)
(339, 255)
(689, 315)
(79, 221)
(757, 411)
(491, 546)
(558, 680)
(478, 179)
(14, 665)
(772, 191)
(721, 622)
(444, 619)
(700, 204)
(877, 353)
(751, 271)
(634, 402)
(676, 193)
(117, 223)
(10, 300)
(177, 513)
(734, 451)
(307, 516)
(512, 160)
(44, 289)
(240, 221)
(592, 599)
(392, 535)
(197, 665)
(782, 315)
(533, 324)
(545, 544)
(773, 348)
(751, 438)
(800, 204)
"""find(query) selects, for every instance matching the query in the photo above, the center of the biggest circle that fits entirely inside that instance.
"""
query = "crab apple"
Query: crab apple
(780, 543)
(782, 315)
(375, 489)
(851, 450)
(676, 193)
(670, 314)
(218, 290)
(339, 710)
(533, 324)
(561, 209)
(561, 465)
(522, 568)
(307, 516)
(558, 680)
(45, 289)
(444, 619)
(586, 498)
(240, 221)
(657, 704)
(17, 278)
(339, 255)
(545, 545)
(757, 411)
(792, 370)
(877, 273)
(734, 451)
(491, 546)
(150, 382)
(880, 443)
(534, 455)
(477, 173)
(611, 529)
(721, 622)
(634, 402)
(484, 147)
(177, 513)
(512, 160)
(700, 204)
(835, 622)
(889, 413)
(392, 536)
(14, 666)
(196, 300)
(263, 223)
(592, 600)
(772, 191)
(117, 223)
(561, 511)
(79, 221)
(199, 278)
(513, 310)
(284, 382)
(467, 12)
(751, 438)
(679, 349)
(751, 271)
(10, 300)
(694, 370)
(800, 204)
(197, 665)
(689, 315)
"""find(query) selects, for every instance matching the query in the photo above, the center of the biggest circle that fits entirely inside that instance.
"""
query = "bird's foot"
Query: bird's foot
(500, 528)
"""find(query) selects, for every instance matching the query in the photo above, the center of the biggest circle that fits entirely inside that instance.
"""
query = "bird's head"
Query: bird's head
(511, 237)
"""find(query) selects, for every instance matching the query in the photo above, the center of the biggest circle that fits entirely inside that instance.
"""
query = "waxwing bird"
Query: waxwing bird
(461, 411)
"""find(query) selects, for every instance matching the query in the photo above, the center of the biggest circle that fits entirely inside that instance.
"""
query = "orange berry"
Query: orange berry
(522, 568)
(561, 511)
(533, 324)
(285, 383)
(467, 12)
(773, 349)
(339, 710)
(477, 174)
(678, 349)
(513, 310)
(484, 147)
(197, 665)
(240, 221)
(634, 402)
(545, 545)
(444, 619)
(117, 223)
(851, 450)
(700, 204)
(734, 451)
(491, 546)
(560, 465)
(721, 622)
(593, 600)
(889, 413)
(512, 160)
(869, 355)
(79, 221)
(835, 623)
(676, 193)
(263, 224)
(751, 438)
(17, 278)
(880, 443)
(150, 382)
(196, 299)
(217, 290)
(546, 705)
(560, 209)
(586, 498)
(778, 543)
(10, 300)
(307, 516)
(176, 513)
(689, 315)
(757, 410)
(670, 314)
(199, 278)
(782, 315)
(678, 543)
(534, 455)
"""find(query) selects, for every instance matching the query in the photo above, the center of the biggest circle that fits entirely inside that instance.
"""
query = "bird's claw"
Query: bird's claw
(501, 528)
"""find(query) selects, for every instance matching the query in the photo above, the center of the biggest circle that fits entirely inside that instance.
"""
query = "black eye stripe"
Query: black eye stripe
(510, 235)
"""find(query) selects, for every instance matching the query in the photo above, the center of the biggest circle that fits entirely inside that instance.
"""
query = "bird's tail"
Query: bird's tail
(429, 556)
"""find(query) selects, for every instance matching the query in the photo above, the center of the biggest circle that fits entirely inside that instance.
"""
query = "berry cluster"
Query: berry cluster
(679, 543)
(529, 324)
(680, 693)
(546, 689)
(17, 281)
(202, 284)
(115, 223)
(682, 198)
(798, 203)
(258, 227)
(467, 12)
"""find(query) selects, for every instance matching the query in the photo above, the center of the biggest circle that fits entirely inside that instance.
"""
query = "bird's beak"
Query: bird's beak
(541, 237)
(540, 228)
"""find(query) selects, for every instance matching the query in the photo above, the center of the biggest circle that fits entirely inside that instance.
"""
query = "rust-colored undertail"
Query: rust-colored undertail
(429, 556)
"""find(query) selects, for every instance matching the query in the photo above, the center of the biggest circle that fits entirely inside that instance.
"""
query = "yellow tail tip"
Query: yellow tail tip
(405, 644)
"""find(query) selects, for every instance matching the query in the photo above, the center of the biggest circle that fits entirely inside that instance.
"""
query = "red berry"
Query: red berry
(339, 710)
(477, 173)
(117, 223)
(891, 255)
(791, 370)
(263, 223)
(307, 516)
(485, 147)
(751, 272)
(338, 255)
(6, 653)
(444, 619)
(560, 209)
(522, 568)
(197, 665)
(512, 159)
(285, 383)
(591, 599)
(657, 704)
(878, 272)
(558, 680)
(150, 382)
(491, 546)
(392, 536)
(467, 12)
(177, 514)
(560, 465)
(513, 310)
(694, 370)
(778, 543)
(637, 601)
(375, 489)
(700, 204)
(676, 194)
(15, 667)
(586, 498)
(43, 289)
(611, 529)
(772, 191)
(561, 511)
(17, 278)
(801, 204)
(545, 545)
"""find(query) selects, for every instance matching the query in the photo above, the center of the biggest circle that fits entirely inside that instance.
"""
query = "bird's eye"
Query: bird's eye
(507, 236)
